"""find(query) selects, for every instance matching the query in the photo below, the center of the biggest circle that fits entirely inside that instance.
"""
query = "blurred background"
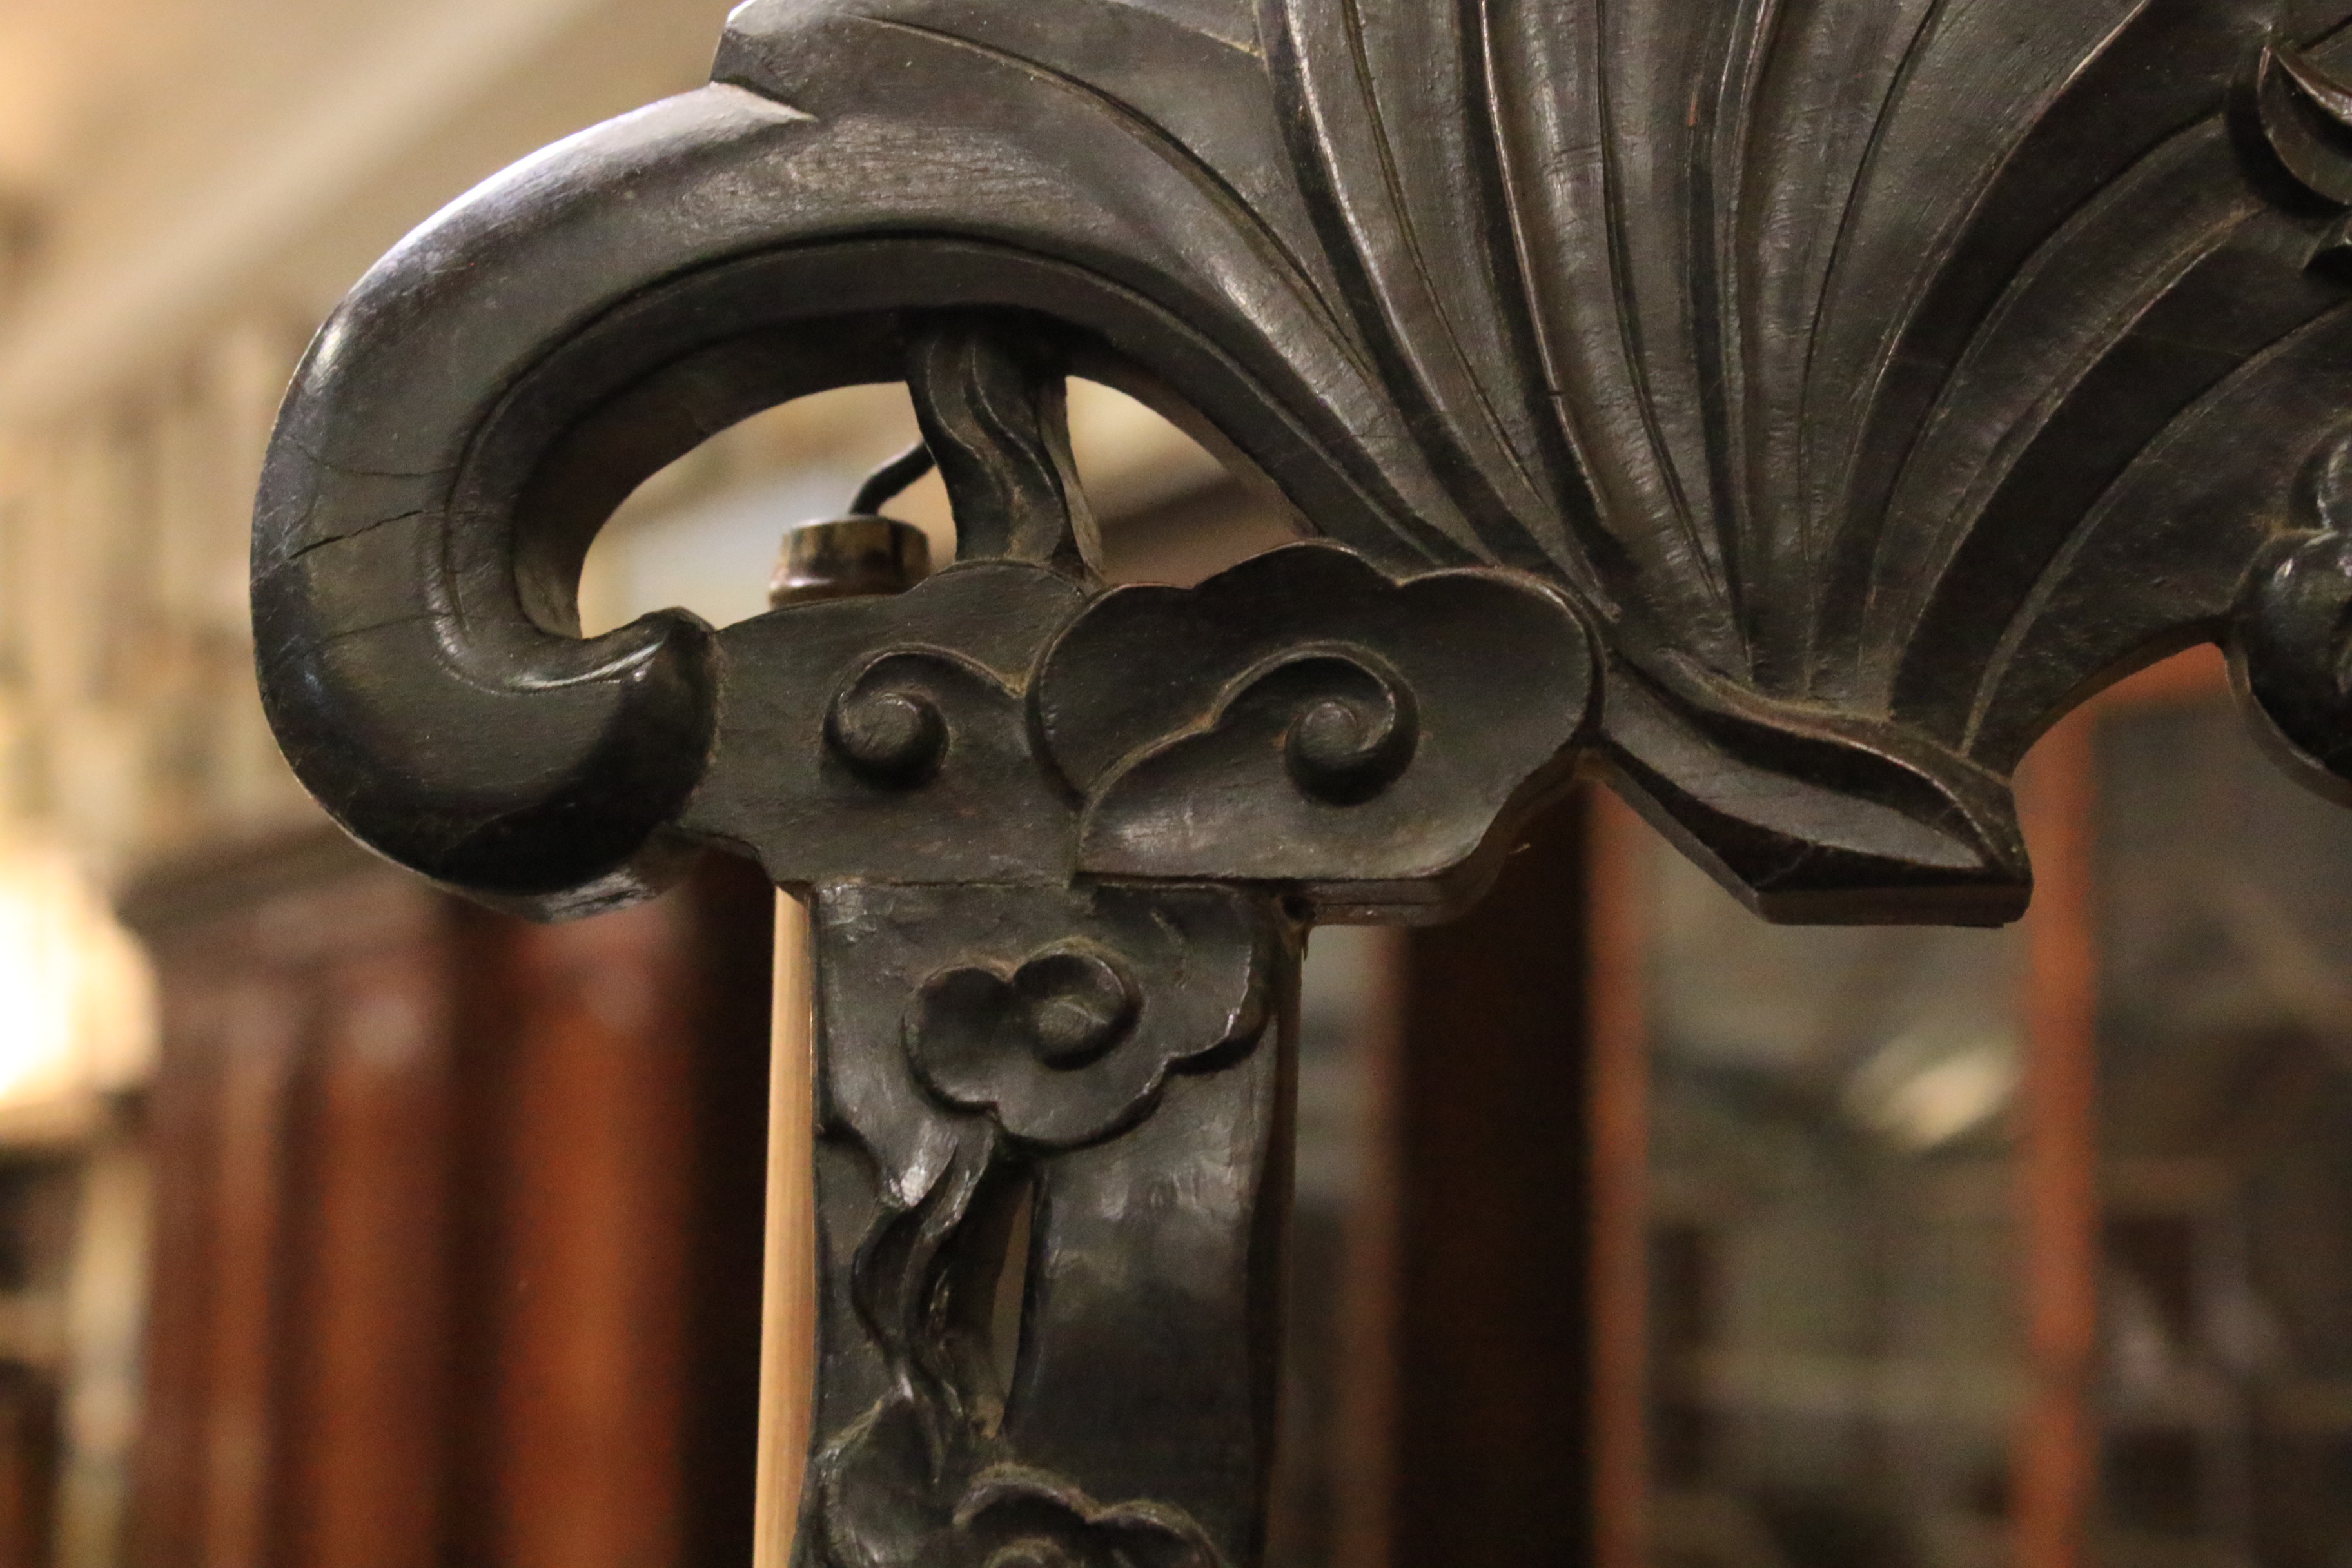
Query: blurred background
(346, 1226)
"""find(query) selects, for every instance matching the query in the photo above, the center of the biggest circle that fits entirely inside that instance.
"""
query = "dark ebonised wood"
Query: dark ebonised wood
(1788, 412)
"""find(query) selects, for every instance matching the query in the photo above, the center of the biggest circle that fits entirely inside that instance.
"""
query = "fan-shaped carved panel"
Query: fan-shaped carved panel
(1789, 407)
(1878, 377)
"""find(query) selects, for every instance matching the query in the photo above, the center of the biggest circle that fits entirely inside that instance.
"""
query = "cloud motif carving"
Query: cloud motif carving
(1074, 1041)
(1270, 725)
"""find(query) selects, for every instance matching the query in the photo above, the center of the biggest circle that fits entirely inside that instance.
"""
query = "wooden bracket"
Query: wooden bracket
(1788, 415)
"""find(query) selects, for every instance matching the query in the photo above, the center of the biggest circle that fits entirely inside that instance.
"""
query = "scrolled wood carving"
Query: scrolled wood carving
(1790, 409)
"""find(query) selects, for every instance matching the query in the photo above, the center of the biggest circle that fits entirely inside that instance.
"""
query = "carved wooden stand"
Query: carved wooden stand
(1790, 415)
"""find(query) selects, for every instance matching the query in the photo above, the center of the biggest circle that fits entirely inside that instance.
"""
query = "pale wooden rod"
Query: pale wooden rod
(788, 1305)
(851, 557)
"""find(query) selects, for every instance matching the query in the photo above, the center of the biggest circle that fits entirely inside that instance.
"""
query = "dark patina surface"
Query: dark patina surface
(1790, 412)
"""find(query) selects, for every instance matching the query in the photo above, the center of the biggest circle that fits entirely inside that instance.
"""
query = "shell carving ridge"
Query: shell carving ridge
(1877, 379)
(1880, 374)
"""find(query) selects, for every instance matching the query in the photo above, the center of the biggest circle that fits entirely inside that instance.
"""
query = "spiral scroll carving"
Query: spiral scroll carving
(886, 727)
(1357, 726)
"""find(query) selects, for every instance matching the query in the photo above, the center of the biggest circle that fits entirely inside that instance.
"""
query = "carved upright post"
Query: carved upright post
(1786, 412)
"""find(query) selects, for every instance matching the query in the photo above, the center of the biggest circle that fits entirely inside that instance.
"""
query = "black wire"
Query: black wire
(889, 481)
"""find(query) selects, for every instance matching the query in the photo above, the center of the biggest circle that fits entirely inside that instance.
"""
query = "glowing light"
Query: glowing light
(1921, 1093)
(77, 999)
